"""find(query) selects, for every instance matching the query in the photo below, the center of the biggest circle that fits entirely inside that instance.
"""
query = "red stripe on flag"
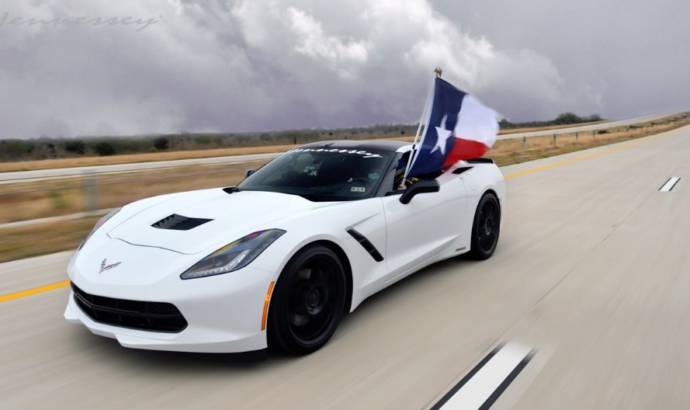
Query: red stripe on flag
(464, 149)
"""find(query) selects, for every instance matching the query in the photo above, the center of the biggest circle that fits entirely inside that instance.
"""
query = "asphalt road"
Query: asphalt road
(75, 172)
(592, 272)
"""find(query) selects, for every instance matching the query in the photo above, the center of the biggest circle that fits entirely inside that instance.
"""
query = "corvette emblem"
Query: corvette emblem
(105, 266)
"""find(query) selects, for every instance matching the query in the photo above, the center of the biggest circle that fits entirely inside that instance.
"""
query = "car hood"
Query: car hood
(231, 216)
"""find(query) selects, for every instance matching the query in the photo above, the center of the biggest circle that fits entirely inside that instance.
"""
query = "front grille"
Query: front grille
(134, 314)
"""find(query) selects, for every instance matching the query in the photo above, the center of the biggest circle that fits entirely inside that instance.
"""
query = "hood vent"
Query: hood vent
(179, 223)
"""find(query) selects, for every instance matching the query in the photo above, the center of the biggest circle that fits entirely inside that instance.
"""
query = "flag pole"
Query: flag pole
(425, 112)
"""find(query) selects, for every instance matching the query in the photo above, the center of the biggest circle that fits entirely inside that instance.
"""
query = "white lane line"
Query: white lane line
(482, 386)
(670, 184)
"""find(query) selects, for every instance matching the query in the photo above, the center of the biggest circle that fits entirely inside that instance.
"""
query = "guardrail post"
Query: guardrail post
(90, 192)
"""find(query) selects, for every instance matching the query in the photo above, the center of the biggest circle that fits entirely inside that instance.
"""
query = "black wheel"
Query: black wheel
(486, 227)
(308, 302)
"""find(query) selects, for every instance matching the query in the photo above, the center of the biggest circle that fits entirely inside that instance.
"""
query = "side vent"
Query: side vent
(460, 170)
(368, 246)
(180, 223)
(480, 161)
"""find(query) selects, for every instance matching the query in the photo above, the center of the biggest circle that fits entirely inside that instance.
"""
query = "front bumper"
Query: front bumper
(223, 312)
(192, 339)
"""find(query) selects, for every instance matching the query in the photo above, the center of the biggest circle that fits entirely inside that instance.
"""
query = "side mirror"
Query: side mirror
(249, 172)
(421, 187)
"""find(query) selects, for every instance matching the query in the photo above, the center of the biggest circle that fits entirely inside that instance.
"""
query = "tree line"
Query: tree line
(566, 118)
(59, 147)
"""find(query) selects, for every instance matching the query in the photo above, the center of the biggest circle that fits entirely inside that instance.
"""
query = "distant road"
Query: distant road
(75, 172)
(41, 174)
(590, 127)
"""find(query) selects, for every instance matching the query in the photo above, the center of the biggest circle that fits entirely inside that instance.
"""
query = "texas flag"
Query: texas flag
(458, 127)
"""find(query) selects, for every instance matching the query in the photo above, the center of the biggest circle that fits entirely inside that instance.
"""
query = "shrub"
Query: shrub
(567, 118)
(104, 148)
(75, 147)
(161, 143)
(15, 149)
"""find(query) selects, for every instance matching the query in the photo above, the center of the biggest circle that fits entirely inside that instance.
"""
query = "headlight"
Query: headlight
(100, 223)
(234, 256)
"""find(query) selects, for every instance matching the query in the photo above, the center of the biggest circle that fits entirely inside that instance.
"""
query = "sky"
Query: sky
(96, 67)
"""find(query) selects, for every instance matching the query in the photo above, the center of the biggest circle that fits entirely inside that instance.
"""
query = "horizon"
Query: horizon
(75, 69)
(527, 123)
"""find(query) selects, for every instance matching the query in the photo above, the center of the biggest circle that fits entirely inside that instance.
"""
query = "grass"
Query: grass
(131, 158)
(58, 197)
(547, 127)
(507, 152)
(62, 197)
(24, 242)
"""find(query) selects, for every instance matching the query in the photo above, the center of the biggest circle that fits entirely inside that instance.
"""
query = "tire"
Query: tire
(308, 302)
(486, 227)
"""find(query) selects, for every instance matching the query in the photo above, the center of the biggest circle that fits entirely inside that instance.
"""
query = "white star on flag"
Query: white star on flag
(442, 136)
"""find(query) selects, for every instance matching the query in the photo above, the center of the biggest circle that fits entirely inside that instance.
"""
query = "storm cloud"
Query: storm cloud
(71, 67)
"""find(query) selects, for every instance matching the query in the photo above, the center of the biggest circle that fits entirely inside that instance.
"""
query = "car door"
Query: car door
(427, 228)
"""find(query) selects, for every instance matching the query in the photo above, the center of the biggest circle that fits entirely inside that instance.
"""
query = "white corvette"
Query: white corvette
(278, 260)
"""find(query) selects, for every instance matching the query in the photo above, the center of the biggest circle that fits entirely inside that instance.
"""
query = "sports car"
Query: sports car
(279, 259)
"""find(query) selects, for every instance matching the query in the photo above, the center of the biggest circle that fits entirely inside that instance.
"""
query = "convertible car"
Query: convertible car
(278, 260)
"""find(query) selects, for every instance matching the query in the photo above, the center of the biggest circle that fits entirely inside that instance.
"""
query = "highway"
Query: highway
(592, 273)
(77, 172)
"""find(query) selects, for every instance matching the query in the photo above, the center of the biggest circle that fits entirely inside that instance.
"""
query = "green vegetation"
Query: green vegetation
(55, 148)
(566, 118)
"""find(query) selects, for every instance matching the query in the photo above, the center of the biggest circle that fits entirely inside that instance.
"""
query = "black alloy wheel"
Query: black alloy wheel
(308, 302)
(486, 227)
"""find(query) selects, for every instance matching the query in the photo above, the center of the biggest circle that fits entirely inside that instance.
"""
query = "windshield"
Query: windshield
(322, 174)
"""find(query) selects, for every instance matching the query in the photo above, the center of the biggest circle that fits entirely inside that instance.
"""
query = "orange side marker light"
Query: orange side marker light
(267, 301)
